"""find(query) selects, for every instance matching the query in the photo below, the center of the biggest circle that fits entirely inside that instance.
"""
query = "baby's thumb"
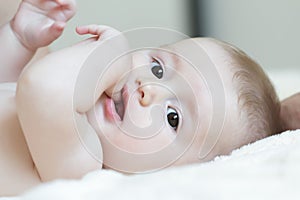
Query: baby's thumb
(55, 30)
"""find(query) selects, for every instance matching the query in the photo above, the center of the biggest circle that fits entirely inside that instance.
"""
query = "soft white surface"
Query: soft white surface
(266, 169)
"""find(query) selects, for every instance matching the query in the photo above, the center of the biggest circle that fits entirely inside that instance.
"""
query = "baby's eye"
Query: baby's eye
(157, 69)
(173, 118)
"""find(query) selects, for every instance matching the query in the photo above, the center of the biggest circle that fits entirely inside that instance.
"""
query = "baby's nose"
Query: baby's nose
(146, 96)
(151, 93)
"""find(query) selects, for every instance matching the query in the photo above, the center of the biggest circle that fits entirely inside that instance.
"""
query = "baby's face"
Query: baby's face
(166, 113)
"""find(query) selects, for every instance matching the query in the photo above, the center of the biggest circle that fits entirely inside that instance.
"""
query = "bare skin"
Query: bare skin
(7, 12)
(36, 24)
(290, 112)
(16, 154)
(17, 169)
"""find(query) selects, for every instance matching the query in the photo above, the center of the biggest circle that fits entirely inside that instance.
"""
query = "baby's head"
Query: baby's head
(257, 100)
(169, 117)
(182, 103)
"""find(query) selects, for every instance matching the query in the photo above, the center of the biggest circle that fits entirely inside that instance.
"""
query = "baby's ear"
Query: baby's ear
(290, 112)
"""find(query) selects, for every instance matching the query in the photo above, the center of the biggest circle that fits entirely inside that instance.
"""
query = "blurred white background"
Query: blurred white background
(126, 15)
(267, 30)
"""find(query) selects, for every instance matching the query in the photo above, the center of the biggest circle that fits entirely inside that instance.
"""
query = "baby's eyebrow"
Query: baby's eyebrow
(175, 58)
(171, 52)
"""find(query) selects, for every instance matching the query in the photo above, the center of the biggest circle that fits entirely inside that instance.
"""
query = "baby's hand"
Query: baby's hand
(37, 23)
(114, 77)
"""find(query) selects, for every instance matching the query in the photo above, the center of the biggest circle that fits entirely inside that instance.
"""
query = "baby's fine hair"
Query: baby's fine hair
(258, 102)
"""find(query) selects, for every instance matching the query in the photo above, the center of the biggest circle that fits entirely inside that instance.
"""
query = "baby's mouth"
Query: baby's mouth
(119, 105)
(119, 101)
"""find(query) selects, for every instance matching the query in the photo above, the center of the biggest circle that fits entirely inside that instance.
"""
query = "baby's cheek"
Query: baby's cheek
(123, 141)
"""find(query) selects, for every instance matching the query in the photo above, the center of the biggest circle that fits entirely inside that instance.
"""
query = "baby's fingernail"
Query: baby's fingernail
(60, 25)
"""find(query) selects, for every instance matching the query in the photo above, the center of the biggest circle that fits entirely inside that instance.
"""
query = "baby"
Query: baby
(149, 109)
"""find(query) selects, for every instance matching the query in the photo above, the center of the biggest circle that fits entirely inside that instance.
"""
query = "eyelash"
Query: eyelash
(154, 69)
(177, 118)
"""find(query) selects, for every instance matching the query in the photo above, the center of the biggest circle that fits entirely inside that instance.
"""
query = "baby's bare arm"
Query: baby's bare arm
(290, 112)
(37, 23)
(14, 56)
(7, 11)
(61, 142)
(52, 104)
(52, 107)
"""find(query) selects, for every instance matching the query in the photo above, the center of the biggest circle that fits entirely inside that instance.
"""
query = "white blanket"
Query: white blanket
(266, 169)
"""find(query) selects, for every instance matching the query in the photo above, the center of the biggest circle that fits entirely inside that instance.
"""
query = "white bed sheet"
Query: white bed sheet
(266, 169)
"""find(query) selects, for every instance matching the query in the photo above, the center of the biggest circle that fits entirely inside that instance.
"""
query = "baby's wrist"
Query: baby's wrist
(18, 38)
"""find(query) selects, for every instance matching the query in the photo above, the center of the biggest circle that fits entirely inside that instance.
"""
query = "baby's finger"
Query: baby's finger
(68, 7)
(91, 29)
(58, 27)
(70, 4)
(53, 32)
(103, 31)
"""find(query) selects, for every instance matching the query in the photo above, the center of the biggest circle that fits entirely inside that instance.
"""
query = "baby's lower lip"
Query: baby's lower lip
(110, 110)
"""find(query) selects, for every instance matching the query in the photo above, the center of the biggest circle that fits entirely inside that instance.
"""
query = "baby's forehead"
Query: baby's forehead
(200, 47)
(211, 61)
(201, 53)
